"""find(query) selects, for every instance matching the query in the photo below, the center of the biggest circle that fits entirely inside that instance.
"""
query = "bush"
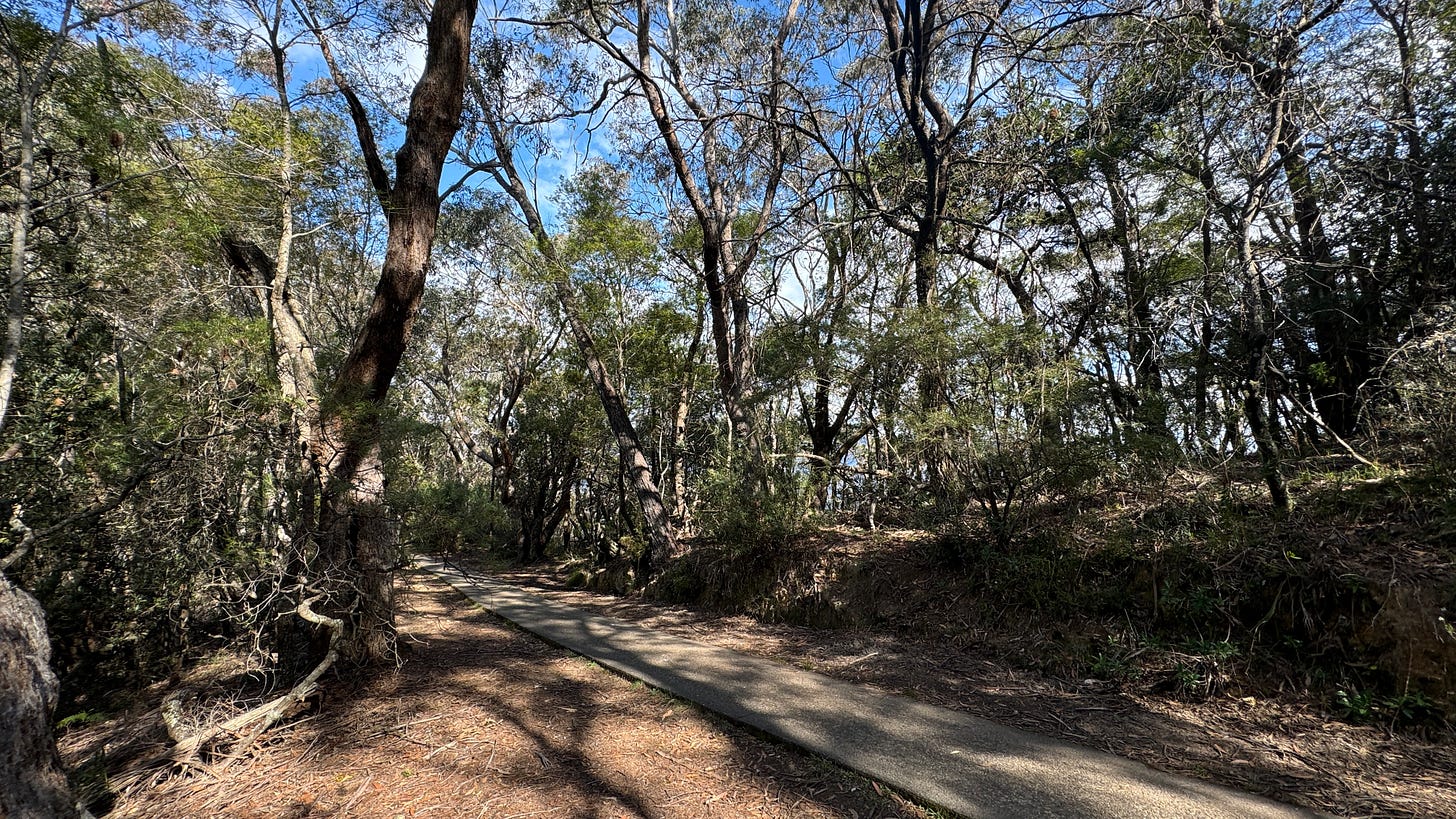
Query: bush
(1420, 377)
(453, 517)
(742, 517)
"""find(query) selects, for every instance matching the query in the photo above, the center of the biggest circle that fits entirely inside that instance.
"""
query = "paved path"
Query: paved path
(940, 757)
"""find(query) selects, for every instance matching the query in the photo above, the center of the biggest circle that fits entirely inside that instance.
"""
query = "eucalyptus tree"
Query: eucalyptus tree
(1389, 146)
(557, 263)
(483, 334)
(1348, 212)
(1421, 177)
(919, 108)
(358, 547)
(256, 185)
(1127, 211)
(817, 347)
(1264, 68)
(717, 109)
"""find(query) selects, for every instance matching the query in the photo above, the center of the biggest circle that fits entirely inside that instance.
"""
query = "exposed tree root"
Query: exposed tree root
(251, 724)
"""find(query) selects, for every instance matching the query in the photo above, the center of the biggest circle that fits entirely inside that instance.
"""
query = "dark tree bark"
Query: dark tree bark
(32, 783)
(358, 546)
(1341, 347)
(546, 509)
(1150, 411)
(1263, 424)
(912, 36)
(824, 425)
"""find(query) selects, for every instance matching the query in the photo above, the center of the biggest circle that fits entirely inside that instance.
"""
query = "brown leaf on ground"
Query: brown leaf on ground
(1277, 747)
(483, 721)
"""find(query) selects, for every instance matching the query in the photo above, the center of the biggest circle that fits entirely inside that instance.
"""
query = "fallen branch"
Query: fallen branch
(1326, 427)
(268, 714)
(26, 535)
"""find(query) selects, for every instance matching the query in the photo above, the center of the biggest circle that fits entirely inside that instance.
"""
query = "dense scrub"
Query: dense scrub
(1143, 314)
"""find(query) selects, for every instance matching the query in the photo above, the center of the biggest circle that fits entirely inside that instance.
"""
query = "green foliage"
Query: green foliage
(1364, 706)
(453, 518)
(145, 429)
(1422, 374)
(743, 518)
(126, 589)
(1005, 445)
(1112, 662)
(1033, 414)
(81, 719)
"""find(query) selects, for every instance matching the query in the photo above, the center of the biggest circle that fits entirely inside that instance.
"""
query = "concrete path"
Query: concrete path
(944, 758)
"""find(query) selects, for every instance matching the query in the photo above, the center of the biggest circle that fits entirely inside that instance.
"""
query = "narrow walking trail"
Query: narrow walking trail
(941, 757)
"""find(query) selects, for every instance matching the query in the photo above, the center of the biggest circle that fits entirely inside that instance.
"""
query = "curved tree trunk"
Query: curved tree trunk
(709, 188)
(661, 538)
(358, 541)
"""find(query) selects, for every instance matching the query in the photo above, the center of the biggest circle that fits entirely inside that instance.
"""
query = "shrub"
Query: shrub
(741, 516)
(453, 517)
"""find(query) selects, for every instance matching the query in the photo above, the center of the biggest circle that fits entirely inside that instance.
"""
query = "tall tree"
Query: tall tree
(903, 126)
(662, 540)
(358, 547)
(674, 63)
(1271, 57)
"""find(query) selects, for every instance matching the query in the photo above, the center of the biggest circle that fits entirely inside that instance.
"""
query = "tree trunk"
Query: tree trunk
(1149, 408)
(1203, 364)
(19, 239)
(729, 348)
(1263, 427)
(32, 782)
(726, 259)
(680, 514)
(358, 540)
(661, 539)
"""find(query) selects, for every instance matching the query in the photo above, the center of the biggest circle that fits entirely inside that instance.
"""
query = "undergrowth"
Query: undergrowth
(1188, 586)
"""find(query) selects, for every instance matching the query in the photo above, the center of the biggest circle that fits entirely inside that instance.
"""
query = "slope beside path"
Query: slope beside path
(944, 758)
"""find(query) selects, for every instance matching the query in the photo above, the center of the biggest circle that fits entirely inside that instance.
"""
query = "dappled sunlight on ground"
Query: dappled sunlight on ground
(486, 722)
(1280, 748)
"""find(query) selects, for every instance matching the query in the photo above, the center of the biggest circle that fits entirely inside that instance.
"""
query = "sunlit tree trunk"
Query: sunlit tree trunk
(661, 538)
(358, 539)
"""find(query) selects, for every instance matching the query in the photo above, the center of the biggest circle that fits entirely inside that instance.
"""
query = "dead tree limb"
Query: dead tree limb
(265, 716)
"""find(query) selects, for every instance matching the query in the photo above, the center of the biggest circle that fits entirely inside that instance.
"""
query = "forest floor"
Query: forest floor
(480, 721)
(1283, 747)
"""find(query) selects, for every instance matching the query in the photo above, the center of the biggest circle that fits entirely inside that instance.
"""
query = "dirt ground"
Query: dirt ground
(480, 721)
(1280, 748)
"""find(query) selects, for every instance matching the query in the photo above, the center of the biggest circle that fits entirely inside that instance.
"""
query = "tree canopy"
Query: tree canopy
(297, 288)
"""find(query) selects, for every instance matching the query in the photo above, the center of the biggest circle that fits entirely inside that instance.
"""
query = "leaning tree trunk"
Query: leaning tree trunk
(358, 541)
(1149, 410)
(1262, 425)
(32, 783)
(661, 538)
